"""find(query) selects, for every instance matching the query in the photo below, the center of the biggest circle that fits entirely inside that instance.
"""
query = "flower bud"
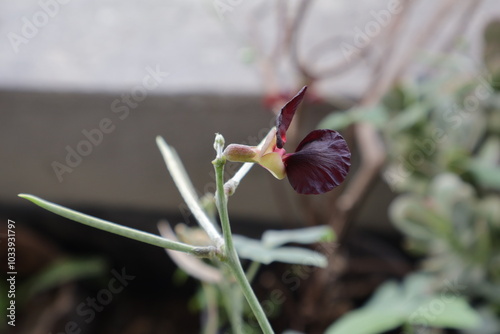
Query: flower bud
(241, 153)
(218, 144)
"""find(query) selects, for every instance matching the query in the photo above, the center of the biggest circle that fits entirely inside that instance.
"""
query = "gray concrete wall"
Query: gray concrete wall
(125, 168)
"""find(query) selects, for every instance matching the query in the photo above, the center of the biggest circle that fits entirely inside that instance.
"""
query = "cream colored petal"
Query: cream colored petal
(273, 163)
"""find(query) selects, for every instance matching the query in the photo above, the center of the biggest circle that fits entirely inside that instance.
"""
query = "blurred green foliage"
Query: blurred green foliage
(55, 275)
(442, 137)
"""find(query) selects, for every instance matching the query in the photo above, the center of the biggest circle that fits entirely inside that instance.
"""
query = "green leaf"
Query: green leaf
(107, 226)
(490, 324)
(394, 305)
(489, 153)
(308, 235)
(448, 190)
(389, 293)
(366, 322)
(377, 115)
(252, 249)
(488, 176)
(455, 313)
(337, 120)
(489, 209)
(408, 118)
(386, 310)
(186, 189)
(403, 213)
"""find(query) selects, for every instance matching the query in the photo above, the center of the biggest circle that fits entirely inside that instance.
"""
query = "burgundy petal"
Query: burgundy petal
(286, 115)
(320, 162)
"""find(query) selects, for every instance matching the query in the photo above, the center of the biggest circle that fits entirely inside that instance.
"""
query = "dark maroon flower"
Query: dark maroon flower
(319, 164)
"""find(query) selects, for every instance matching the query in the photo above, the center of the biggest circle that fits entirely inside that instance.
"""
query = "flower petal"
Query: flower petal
(286, 115)
(273, 163)
(269, 142)
(320, 162)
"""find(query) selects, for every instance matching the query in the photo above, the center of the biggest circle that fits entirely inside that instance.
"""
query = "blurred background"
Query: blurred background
(85, 87)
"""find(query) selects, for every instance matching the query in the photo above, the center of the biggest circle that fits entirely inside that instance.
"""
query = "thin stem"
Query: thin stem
(119, 229)
(235, 267)
(233, 183)
(187, 191)
(231, 256)
(221, 201)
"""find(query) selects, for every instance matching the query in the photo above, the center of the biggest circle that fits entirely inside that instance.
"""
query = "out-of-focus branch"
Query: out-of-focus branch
(429, 30)
(371, 148)
(389, 39)
(294, 30)
(462, 24)
(342, 66)
(369, 143)
(281, 32)
(263, 60)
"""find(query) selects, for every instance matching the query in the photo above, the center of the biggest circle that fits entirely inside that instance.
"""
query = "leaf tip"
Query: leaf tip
(26, 196)
(160, 140)
(32, 198)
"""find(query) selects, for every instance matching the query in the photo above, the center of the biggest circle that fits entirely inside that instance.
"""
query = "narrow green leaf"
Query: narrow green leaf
(252, 249)
(308, 235)
(188, 193)
(110, 227)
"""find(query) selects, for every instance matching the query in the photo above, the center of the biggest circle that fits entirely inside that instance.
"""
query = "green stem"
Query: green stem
(119, 229)
(232, 259)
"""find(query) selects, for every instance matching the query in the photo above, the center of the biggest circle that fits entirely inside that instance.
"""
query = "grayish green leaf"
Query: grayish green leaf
(308, 235)
(252, 249)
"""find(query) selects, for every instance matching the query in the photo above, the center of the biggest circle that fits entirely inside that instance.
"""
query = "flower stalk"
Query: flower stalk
(231, 256)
